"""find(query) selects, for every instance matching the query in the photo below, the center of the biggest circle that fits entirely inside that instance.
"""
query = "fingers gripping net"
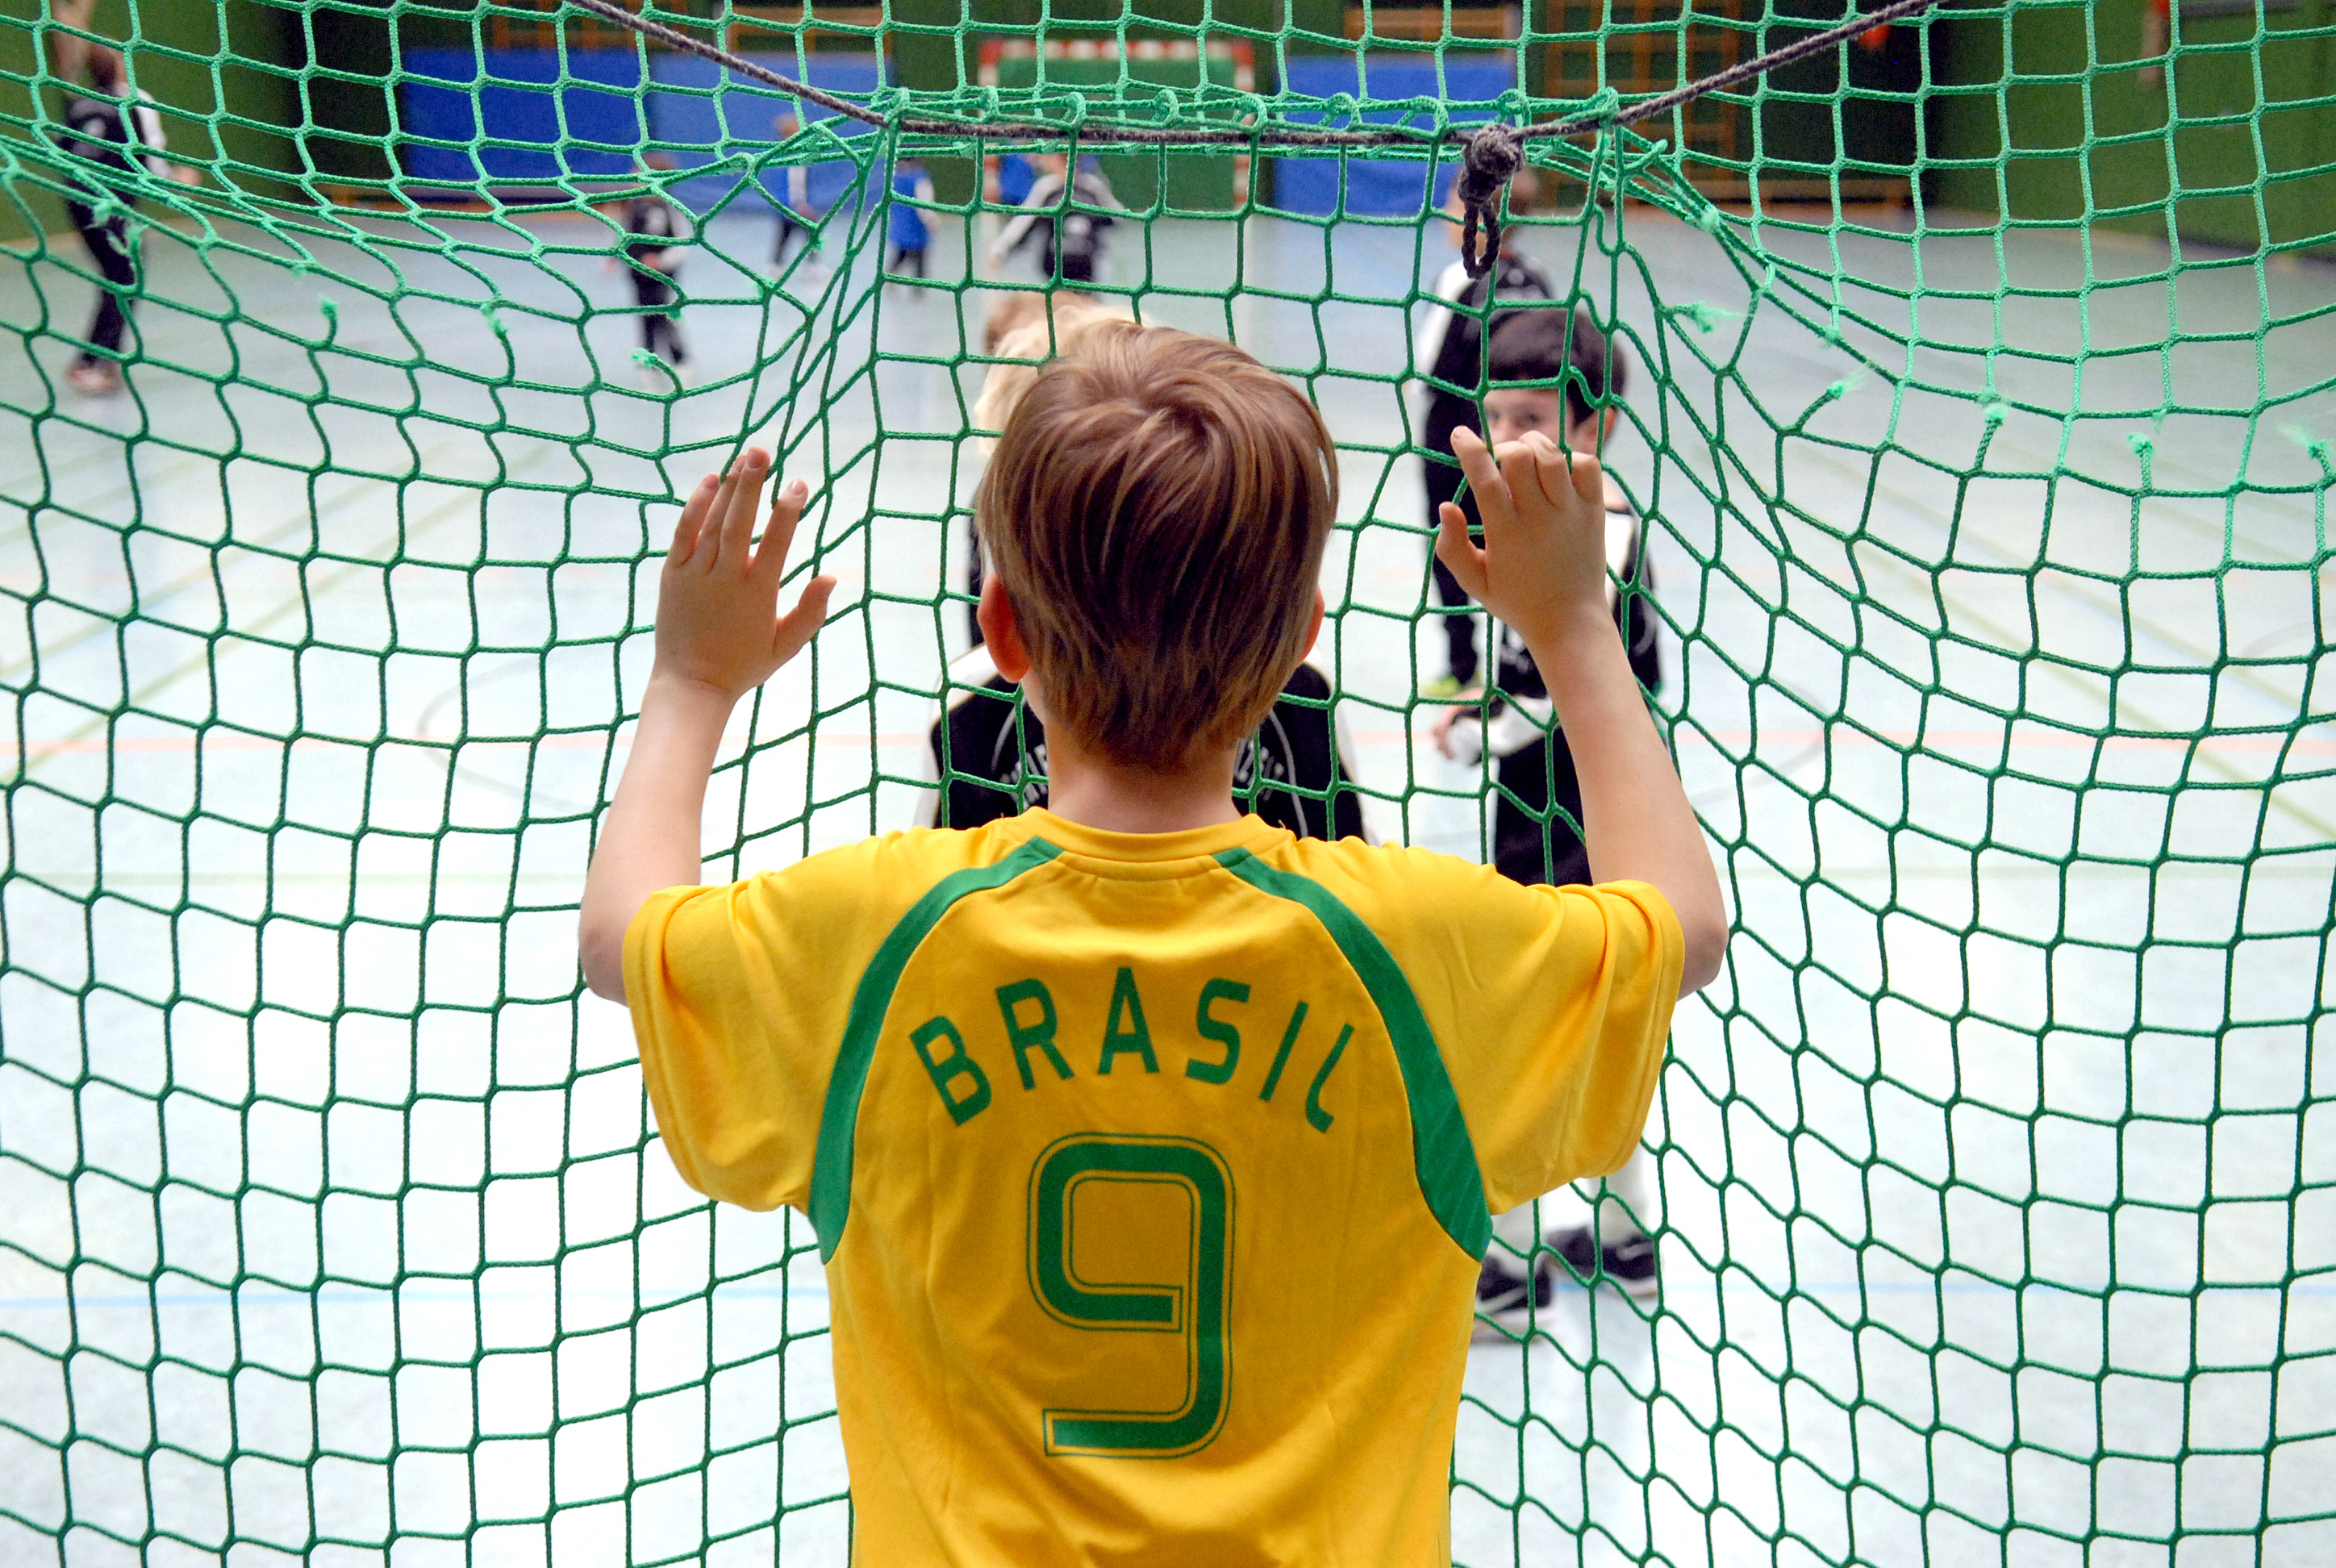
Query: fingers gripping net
(1992, 1187)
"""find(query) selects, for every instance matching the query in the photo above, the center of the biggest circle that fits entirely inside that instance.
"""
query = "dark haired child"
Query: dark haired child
(1533, 765)
(652, 225)
(113, 125)
(904, 221)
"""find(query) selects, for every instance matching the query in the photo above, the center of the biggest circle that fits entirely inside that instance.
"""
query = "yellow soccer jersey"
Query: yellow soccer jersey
(1152, 1172)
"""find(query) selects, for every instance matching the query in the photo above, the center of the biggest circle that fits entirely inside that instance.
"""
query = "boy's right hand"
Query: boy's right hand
(1543, 567)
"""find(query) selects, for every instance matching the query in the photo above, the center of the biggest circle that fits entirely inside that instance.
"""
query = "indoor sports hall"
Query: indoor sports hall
(1981, 399)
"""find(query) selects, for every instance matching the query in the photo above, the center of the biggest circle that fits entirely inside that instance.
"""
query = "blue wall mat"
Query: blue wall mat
(702, 127)
(608, 115)
(1311, 184)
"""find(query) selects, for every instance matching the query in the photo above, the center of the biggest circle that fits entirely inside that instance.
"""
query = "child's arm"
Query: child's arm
(1543, 570)
(1043, 196)
(719, 636)
(1012, 235)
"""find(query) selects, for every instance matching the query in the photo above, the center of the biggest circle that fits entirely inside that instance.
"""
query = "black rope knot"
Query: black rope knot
(1488, 159)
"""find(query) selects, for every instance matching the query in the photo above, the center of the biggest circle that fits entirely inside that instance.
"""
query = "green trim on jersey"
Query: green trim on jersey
(839, 1117)
(1442, 1157)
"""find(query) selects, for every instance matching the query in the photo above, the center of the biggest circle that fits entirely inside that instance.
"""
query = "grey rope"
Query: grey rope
(1490, 154)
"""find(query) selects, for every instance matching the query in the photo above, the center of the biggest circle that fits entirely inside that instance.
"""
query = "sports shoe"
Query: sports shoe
(1627, 1263)
(1506, 1299)
(93, 377)
(1443, 688)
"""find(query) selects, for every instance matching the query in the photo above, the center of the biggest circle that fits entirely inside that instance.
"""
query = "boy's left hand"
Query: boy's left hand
(717, 621)
(1543, 567)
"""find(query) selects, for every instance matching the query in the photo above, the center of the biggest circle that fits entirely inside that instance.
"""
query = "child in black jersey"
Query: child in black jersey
(1538, 806)
(115, 127)
(1067, 211)
(654, 227)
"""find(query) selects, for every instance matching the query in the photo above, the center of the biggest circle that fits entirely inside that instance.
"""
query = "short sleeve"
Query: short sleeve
(738, 995)
(1551, 1007)
(1565, 1094)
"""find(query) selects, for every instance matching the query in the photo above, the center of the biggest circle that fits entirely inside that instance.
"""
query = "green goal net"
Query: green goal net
(1978, 401)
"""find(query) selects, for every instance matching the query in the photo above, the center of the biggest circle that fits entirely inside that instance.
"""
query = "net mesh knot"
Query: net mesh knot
(1489, 158)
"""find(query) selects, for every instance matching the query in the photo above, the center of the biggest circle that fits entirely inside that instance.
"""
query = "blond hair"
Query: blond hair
(1157, 510)
(1033, 327)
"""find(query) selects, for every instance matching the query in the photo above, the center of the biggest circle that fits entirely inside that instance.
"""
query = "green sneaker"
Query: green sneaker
(1443, 688)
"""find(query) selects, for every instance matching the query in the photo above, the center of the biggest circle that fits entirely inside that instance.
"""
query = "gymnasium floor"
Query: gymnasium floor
(1821, 1152)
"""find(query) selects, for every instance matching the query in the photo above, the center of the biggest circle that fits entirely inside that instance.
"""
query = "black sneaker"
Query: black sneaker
(1629, 1263)
(1507, 1297)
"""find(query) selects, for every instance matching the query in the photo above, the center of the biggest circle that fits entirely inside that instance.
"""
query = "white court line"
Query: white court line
(323, 582)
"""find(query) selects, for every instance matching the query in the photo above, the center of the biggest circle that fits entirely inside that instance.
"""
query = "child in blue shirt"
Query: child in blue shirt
(1012, 179)
(906, 227)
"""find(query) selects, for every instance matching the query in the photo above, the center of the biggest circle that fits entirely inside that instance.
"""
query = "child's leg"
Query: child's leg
(1442, 482)
(111, 247)
(660, 334)
(648, 293)
(1518, 853)
(1514, 1235)
(1531, 843)
(1627, 1207)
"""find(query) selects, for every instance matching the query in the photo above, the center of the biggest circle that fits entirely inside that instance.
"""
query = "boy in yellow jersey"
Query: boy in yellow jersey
(1151, 1150)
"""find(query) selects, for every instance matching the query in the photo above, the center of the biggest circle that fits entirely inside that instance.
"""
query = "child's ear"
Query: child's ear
(1000, 632)
(1314, 627)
